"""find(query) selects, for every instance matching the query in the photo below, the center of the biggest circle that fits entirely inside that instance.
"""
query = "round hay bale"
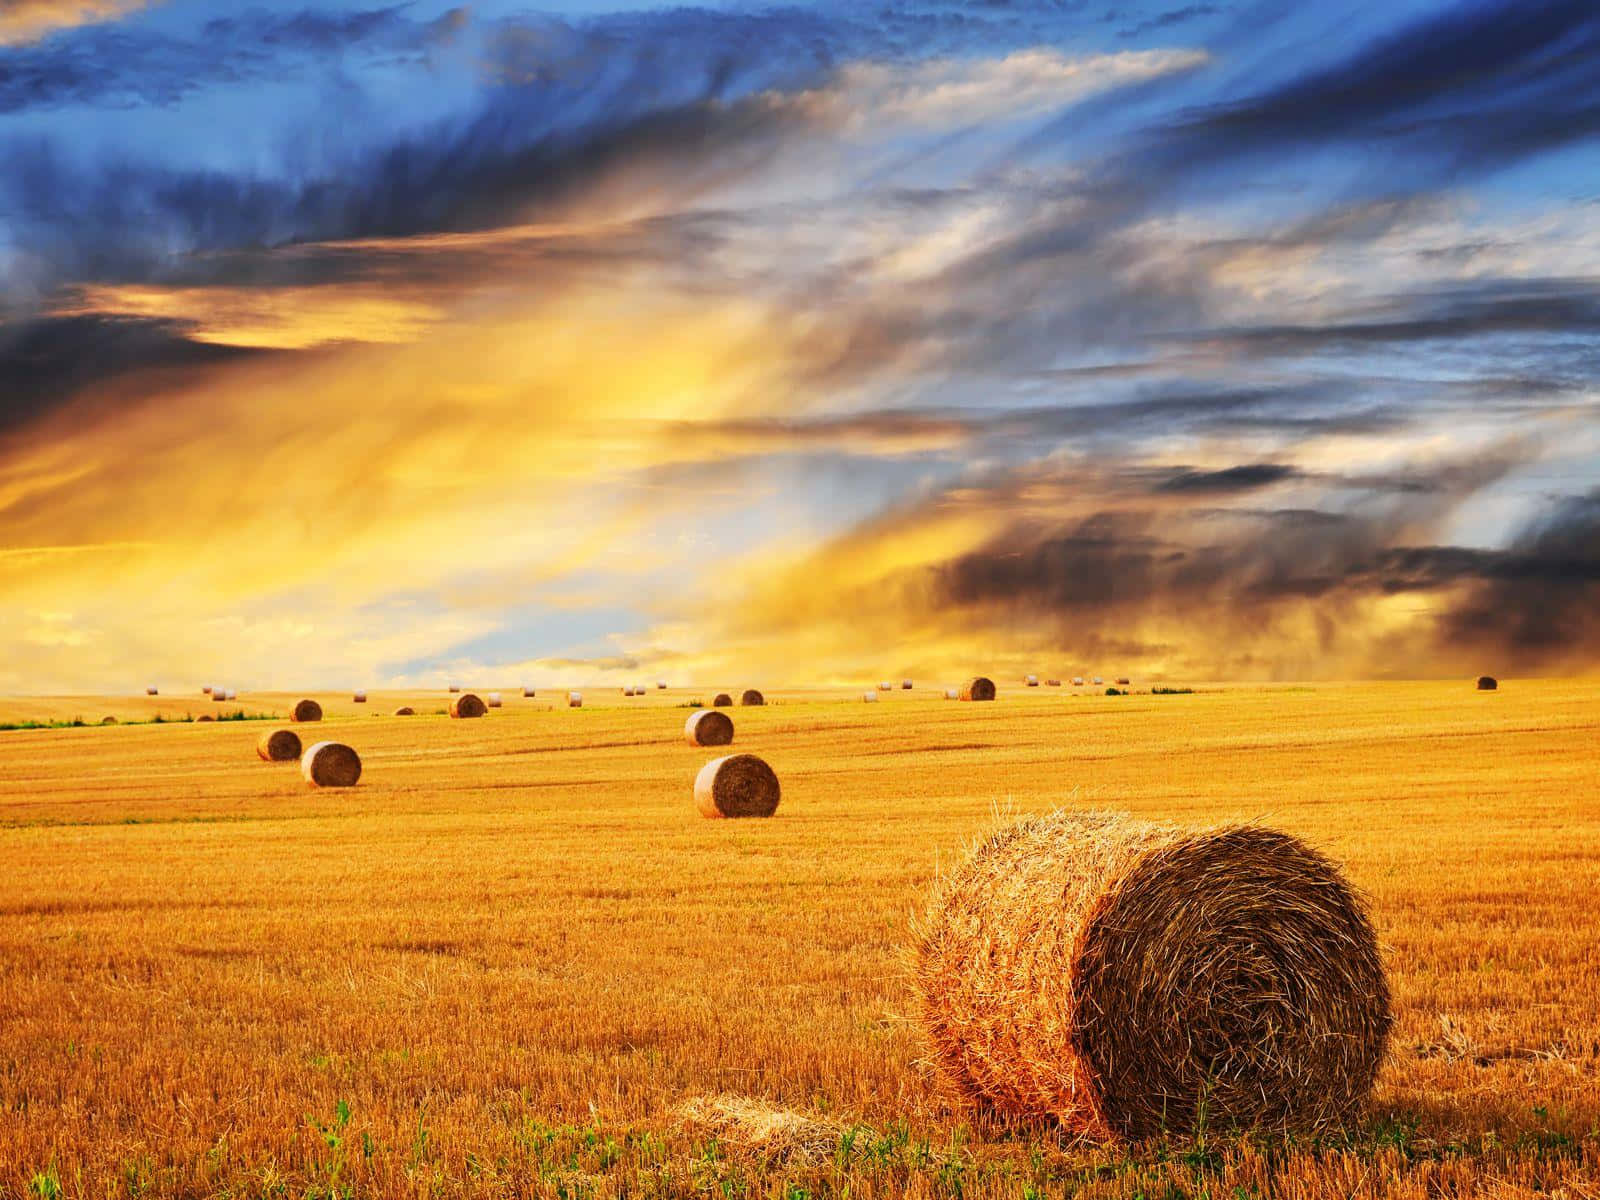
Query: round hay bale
(204, 717)
(1122, 681)
(528, 693)
(870, 697)
(232, 695)
(1031, 680)
(708, 727)
(979, 688)
(740, 785)
(1077, 681)
(661, 685)
(574, 699)
(1098, 681)
(905, 685)
(1122, 978)
(722, 700)
(952, 693)
(454, 688)
(467, 706)
(1487, 683)
(206, 691)
(306, 710)
(360, 697)
(279, 745)
(627, 689)
(108, 720)
(1052, 683)
(885, 686)
(494, 700)
(752, 698)
(330, 764)
(152, 690)
(405, 710)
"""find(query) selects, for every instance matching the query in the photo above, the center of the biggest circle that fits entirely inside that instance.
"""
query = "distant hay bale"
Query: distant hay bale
(870, 697)
(1052, 683)
(108, 720)
(708, 727)
(1124, 978)
(952, 693)
(1098, 681)
(528, 693)
(330, 764)
(152, 690)
(1077, 681)
(721, 700)
(1031, 680)
(752, 698)
(1487, 683)
(979, 688)
(218, 695)
(232, 695)
(467, 706)
(905, 685)
(739, 785)
(306, 710)
(1122, 681)
(360, 697)
(661, 685)
(574, 699)
(206, 691)
(204, 718)
(494, 700)
(454, 688)
(279, 745)
(627, 689)
(885, 686)
(405, 710)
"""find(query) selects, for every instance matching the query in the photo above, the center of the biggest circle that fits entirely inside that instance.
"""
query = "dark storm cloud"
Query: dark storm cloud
(45, 361)
(1246, 477)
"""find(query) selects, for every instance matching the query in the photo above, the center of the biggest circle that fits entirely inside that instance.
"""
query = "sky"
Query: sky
(371, 345)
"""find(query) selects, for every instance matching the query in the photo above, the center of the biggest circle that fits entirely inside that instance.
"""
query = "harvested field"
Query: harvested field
(515, 961)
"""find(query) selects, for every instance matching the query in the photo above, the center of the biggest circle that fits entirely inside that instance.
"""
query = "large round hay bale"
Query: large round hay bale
(306, 710)
(359, 697)
(405, 710)
(740, 785)
(279, 745)
(1487, 683)
(752, 698)
(330, 764)
(721, 700)
(574, 699)
(708, 727)
(1123, 979)
(979, 688)
(467, 706)
(494, 700)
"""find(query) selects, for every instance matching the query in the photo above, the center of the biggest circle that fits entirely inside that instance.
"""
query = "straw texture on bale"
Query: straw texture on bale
(708, 727)
(752, 698)
(405, 710)
(360, 697)
(1120, 978)
(740, 785)
(980, 688)
(330, 764)
(467, 705)
(279, 745)
(1487, 683)
(721, 700)
(306, 710)
(574, 699)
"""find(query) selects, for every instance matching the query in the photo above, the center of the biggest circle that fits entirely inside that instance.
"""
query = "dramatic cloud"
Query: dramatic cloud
(23, 21)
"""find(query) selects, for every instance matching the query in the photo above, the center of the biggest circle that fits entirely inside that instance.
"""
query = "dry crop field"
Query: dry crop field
(515, 961)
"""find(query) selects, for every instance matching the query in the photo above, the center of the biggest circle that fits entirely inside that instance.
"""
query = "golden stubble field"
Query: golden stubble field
(514, 961)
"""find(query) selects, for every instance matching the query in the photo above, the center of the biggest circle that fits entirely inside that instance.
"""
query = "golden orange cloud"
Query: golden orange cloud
(23, 21)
